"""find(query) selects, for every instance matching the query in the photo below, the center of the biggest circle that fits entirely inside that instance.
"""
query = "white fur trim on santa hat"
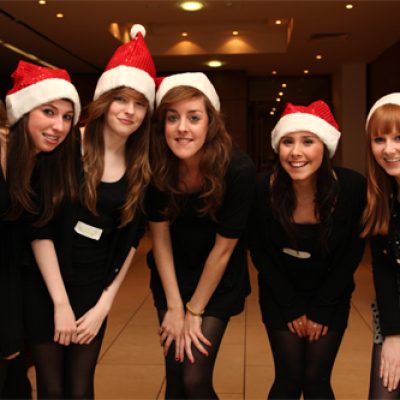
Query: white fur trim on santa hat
(25, 100)
(392, 98)
(303, 122)
(197, 80)
(125, 76)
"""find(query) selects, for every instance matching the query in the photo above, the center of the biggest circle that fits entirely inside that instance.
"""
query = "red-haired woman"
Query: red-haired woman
(382, 224)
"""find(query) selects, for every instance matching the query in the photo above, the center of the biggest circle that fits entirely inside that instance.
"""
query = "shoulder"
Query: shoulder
(240, 163)
(350, 180)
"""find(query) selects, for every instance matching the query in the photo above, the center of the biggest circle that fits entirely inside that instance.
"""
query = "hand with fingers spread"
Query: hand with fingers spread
(298, 326)
(315, 330)
(64, 324)
(194, 335)
(390, 362)
(172, 329)
(89, 324)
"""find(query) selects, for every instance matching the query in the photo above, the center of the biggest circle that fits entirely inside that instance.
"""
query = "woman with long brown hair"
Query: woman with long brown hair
(42, 108)
(85, 253)
(382, 224)
(197, 210)
(305, 244)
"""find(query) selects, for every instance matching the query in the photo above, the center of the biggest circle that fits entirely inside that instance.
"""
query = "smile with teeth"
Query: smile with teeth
(51, 138)
(390, 160)
(298, 164)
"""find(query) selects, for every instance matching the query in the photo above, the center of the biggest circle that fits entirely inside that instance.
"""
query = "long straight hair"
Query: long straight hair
(54, 171)
(381, 188)
(283, 198)
(215, 156)
(136, 154)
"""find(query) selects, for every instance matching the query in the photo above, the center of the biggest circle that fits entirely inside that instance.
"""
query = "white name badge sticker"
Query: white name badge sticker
(88, 231)
(295, 253)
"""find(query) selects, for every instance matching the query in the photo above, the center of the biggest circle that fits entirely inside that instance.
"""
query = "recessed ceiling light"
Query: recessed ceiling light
(274, 72)
(42, 2)
(235, 33)
(184, 34)
(280, 93)
(60, 15)
(318, 57)
(271, 113)
(191, 5)
(278, 22)
(349, 6)
(214, 63)
(284, 85)
(278, 99)
(306, 71)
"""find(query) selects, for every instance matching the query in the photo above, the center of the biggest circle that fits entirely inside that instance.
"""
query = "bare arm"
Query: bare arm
(90, 323)
(64, 318)
(173, 323)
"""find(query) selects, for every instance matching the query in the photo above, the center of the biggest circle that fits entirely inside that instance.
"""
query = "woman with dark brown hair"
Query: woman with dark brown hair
(85, 253)
(42, 108)
(197, 210)
(304, 242)
(382, 224)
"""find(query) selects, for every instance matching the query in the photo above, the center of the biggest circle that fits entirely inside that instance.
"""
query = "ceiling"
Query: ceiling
(82, 42)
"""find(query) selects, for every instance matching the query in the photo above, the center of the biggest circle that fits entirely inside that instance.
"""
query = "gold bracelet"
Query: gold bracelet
(194, 313)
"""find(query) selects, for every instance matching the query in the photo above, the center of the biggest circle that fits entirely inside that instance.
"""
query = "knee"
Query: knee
(286, 388)
(317, 386)
(197, 386)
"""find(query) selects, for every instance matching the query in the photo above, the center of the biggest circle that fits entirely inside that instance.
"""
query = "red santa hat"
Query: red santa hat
(315, 118)
(392, 98)
(197, 80)
(130, 66)
(35, 85)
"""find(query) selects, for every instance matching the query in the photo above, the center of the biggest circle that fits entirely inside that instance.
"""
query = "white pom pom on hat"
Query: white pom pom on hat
(130, 66)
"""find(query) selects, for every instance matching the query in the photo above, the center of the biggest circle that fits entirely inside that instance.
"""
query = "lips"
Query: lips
(392, 160)
(183, 140)
(53, 139)
(125, 121)
(298, 164)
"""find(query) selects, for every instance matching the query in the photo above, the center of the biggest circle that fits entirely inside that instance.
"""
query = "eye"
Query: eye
(140, 103)
(120, 99)
(172, 117)
(308, 141)
(378, 139)
(48, 111)
(194, 118)
(287, 141)
(68, 117)
(397, 138)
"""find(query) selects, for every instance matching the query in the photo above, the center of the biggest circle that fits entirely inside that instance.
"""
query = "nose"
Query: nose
(182, 125)
(58, 123)
(389, 146)
(130, 107)
(296, 149)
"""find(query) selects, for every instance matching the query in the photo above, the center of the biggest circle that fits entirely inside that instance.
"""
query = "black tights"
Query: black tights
(376, 388)
(302, 367)
(65, 372)
(194, 381)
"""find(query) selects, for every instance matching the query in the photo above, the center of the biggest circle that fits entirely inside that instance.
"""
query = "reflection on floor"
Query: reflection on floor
(131, 363)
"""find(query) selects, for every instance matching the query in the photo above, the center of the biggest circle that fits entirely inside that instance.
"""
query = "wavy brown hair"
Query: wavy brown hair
(38, 183)
(215, 157)
(283, 198)
(381, 188)
(136, 154)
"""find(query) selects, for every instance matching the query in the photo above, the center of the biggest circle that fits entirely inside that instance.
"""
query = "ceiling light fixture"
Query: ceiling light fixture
(274, 72)
(60, 15)
(280, 93)
(235, 33)
(349, 6)
(42, 2)
(306, 71)
(184, 34)
(191, 5)
(284, 85)
(278, 99)
(318, 57)
(278, 22)
(214, 63)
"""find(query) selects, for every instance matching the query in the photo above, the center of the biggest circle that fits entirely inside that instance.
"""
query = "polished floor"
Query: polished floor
(131, 362)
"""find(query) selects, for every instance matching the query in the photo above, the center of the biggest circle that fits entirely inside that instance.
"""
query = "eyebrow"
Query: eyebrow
(189, 112)
(51, 105)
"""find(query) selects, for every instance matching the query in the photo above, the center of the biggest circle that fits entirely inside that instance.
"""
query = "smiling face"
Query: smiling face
(49, 124)
(186, 128)
(386, 150)
(126, 113)
(301, 154)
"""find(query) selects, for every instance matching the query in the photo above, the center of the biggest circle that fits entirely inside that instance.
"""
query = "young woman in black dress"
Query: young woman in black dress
(85, 253)
(42, 108)
(305, 244)
(197, 208)
(382, 224)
